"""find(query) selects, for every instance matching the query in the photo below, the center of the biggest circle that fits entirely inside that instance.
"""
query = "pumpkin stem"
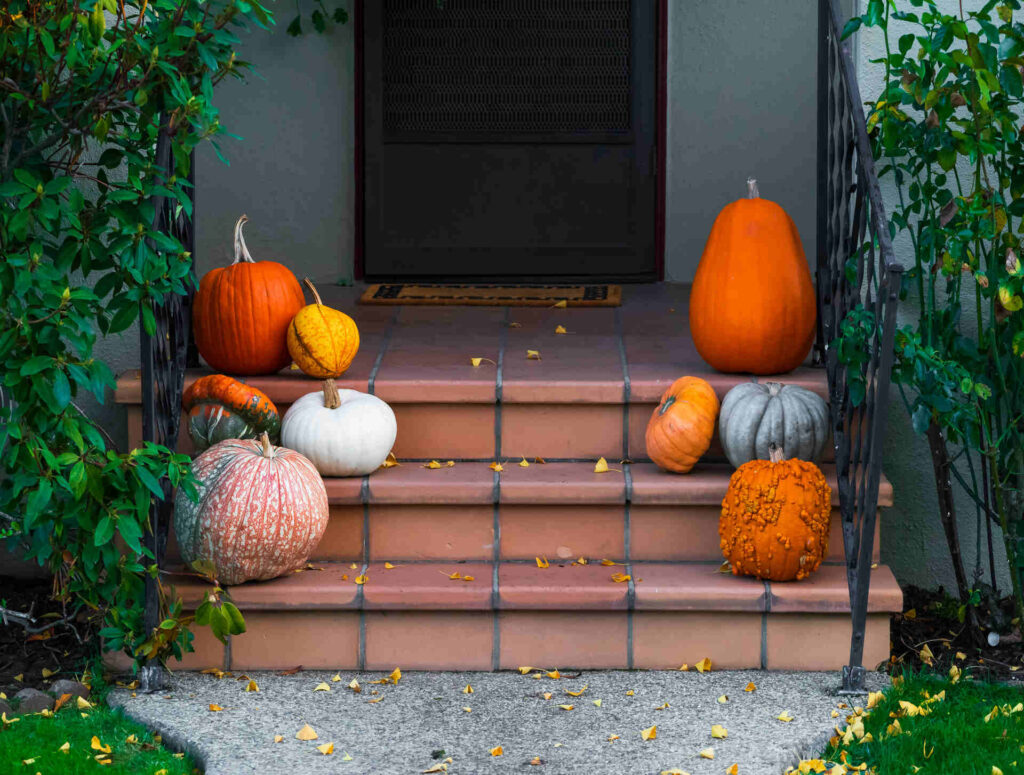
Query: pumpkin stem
(775, 453)
(331, 398)
(752, 192)
(774, 388)
(268, 448)
(664, 407)
(312, 287)
(241, 251)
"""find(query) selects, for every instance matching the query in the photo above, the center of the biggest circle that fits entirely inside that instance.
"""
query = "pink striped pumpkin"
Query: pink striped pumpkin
(261, 511)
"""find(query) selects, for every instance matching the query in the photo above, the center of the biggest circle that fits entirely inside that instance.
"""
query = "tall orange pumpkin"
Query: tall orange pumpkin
(752, 306)
(775, 518)
(681, 428)
(241, 313)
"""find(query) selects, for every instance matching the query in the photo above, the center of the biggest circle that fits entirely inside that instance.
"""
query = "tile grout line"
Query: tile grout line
(764, 624)
(496, 496)
(364, 494)
(628, 477)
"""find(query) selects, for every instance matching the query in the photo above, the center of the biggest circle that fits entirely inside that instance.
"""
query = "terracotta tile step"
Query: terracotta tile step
(566, 617)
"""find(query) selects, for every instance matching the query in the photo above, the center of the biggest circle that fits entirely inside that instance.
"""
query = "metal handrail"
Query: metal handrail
(858, 281)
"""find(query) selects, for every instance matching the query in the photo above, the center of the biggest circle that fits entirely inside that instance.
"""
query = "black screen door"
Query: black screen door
(509, 139)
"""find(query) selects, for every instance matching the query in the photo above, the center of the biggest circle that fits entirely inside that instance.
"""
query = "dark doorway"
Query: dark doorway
(508, 139)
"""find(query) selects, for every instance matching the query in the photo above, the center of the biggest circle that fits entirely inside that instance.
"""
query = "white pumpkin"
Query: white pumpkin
(344, 432)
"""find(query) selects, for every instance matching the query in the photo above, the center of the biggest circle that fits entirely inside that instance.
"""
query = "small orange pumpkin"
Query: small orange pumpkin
(220, 407)
(681, 428)
(321, 340)
(752, 306)
(241, 313)
(775, 518)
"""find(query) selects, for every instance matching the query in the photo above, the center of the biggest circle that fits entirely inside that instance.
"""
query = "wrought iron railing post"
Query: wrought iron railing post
(858, 283)
(164, 356)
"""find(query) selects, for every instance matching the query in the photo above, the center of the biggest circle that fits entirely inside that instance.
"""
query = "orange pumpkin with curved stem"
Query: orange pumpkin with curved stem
(681, 428)
(241, 313)
(752, 305)
(775, 518)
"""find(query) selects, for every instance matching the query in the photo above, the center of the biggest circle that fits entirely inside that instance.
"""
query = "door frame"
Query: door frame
(660, 137)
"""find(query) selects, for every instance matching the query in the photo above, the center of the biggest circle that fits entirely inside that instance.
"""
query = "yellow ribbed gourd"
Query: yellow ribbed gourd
(322, 340)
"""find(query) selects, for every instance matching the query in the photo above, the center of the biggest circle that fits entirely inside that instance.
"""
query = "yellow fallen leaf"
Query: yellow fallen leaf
(251, 686)
(618, 578)
(996, 770)
(540, 460)
(82, 704)
(432, 464)
(439, 767)
(278, 738)
(524, 670)
(395, 676)
(388, 566)
(532, 355)
(306, 733)
(354, 686)
(215, 708)
(707, 753)
(734, 770)
(954, 674)
(390, 461)
(454, 575)
(96, 745)
(723, 698)
(321, 687)
(566, 707)
(576, 694)
(926, 655)
(361, 579)
(468, 689)
(326, 749)
(468, 578)
(47, 672)
(704, 666)
(719, 732)
(581, 560)
(663, 706)
(477, 361)
(650, 733)
(27, 762)
(562, 304)
(597, 703)
(65, 748)
(674, 771)
(992, 713)
(542, 562)
(784, 716)
(496, 751)
(546, 695)
(911, 614)
(449, 464)
(19, 677)
(523, 463)
(612, 738)
(610, 563)
(601, 467)
(750, 687)
(336, 678)
(554, 674)
(630, 692)
(344, 577)
(560, 330)
(725, 567)
(961, 655)
(131, 739)
(496, 466)
(684, 667)
(874, 698)
(536, 761)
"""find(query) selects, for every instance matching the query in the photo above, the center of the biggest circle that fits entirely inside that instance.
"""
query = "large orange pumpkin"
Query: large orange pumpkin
(775, 518)
(322, 340)
(752, 306)
(241, 313)
(681, 428)
(261, 510)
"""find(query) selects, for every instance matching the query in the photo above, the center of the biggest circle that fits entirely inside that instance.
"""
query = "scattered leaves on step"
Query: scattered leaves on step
(542, 562)
(630, 692)
(306, 733)
(389, 566)
(390, 461)
(251, 686)
(278, 738)
(468, 578)
(650, 733)
(215, 708)
(597, 703)
(454, 575)
(560, 330)
(785, 716)
(361, 579)
(354, 686)
(562, 304)
(663, 706)
(580, 561)
(601, 466)
(612, 738)
(432, 464)
(524, 670)
(477, 361)
(82, 704)
(704, 666)
(719, 732)
(395, 676)
(321, 687)
(750, 687)
(618, 578)
(610, 563)
(468, 689)
(723, 698)
(707, 753)
(496, 466)
(734, 770)
(449, 464)
(553, 674)
(540, 460)
(533, 355)
(96, 745)
(336, 678)
(566, 707)
(524, 463)
(326, 749)
(576, 693)
(496, 751)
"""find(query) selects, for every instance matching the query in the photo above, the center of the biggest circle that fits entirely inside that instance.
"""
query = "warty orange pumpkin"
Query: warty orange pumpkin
(752, 305)
(681, 428)
(322, 340)
(241, 313)
(220, 407)
(775, 518)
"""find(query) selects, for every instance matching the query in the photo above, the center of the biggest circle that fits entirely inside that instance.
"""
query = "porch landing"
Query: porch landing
(590, 395)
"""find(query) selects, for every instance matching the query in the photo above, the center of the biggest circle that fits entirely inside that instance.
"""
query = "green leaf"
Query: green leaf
(104, 531)
(35, 365)
(150, 482)
(61, 389)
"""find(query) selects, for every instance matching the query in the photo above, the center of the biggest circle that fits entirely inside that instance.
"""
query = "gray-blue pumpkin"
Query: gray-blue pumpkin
(756, 415)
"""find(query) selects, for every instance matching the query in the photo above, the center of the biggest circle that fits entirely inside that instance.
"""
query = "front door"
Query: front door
(509, 139)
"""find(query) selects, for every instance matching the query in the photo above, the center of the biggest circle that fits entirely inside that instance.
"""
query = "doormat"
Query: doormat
(494, 295)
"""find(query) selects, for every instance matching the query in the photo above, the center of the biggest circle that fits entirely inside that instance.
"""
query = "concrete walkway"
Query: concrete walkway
(404, 728)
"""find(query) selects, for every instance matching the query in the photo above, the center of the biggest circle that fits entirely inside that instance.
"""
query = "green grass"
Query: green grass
(40, 738)
(953, 737)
